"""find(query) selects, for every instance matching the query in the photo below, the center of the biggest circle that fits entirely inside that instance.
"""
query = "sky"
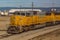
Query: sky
(28, 3)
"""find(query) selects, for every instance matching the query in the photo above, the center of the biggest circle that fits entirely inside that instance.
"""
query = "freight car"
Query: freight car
(27, 20)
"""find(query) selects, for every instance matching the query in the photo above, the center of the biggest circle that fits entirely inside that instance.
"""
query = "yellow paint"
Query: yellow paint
(18, 20)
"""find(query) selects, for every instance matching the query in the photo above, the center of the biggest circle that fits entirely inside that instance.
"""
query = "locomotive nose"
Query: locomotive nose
(13, 30)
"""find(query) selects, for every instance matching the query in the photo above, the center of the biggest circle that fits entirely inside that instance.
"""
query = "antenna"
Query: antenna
(20, 7)
(53, 5)
(32, 6)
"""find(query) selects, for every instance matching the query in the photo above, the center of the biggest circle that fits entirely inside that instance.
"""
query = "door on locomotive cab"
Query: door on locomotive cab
(42, 14)
(32, 15)
(42, 17)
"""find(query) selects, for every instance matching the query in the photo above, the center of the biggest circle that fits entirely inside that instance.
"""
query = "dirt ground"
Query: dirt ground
(50, 36)
(4, 22)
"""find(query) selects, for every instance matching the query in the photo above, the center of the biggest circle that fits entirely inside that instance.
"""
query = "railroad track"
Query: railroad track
(8, 35)
(5, 35)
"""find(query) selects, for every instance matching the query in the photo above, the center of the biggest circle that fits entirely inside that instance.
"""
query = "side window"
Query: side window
(28, 14)
(18, 13)
(23, 14)
(48, 13)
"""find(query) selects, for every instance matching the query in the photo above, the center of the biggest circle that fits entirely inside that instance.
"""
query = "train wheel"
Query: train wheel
(32, 27)
(26, 28)
(13, 30)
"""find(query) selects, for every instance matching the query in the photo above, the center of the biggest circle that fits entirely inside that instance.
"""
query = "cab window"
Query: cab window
(28, 13)
(16, 13)
(34, 12)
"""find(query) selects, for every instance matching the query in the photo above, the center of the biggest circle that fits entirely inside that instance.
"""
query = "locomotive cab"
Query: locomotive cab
(20, 20)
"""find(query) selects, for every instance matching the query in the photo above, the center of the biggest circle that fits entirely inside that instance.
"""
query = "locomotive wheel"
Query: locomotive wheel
(13, 30)
(32, 27)
(26, 28)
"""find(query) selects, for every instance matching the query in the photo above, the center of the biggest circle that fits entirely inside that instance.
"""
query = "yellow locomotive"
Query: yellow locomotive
(27, 20)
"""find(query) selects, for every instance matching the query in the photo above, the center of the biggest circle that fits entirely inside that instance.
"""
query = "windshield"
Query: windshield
(26, 13)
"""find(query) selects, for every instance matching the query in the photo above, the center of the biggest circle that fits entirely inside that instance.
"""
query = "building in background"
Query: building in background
(4, 13)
